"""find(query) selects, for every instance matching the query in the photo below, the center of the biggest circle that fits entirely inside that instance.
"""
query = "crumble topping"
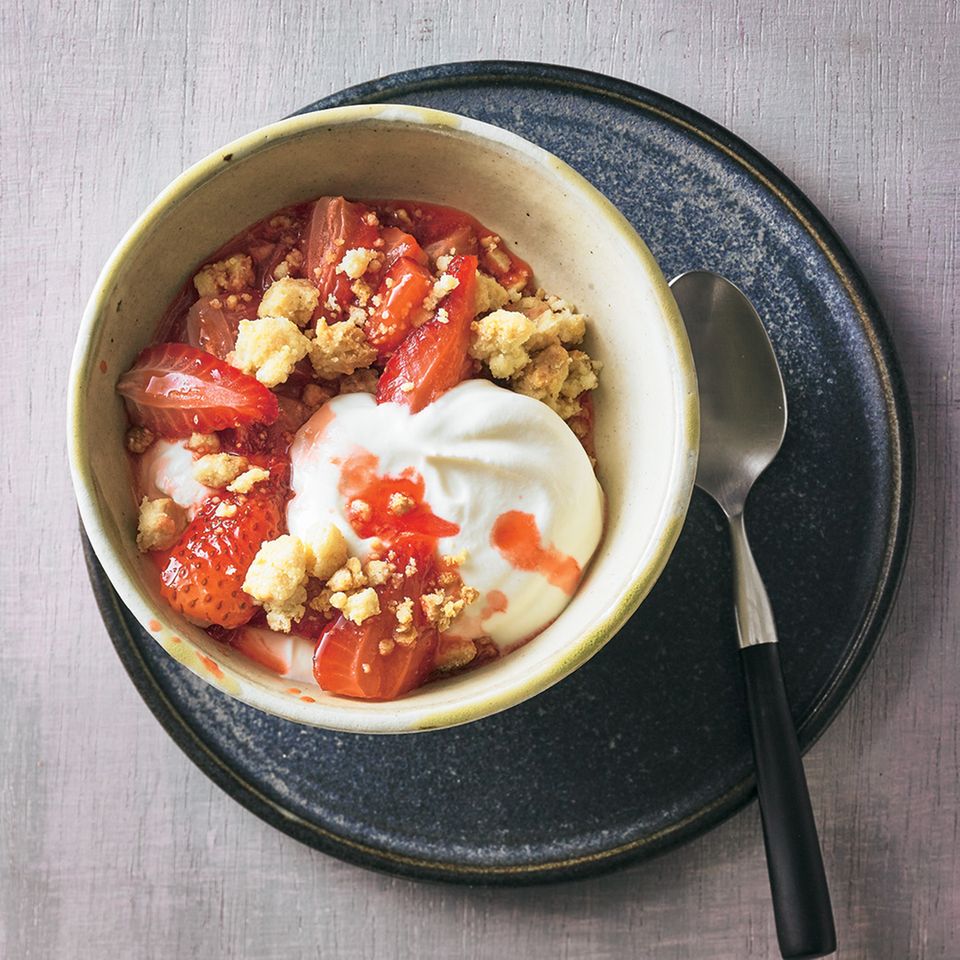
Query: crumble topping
(277, 580)
(454, 653)
(289, 265)
(554, 319)
(490, 295)
(139, 439)
(363, 292)
(558, 377)
(218, 469)
(225, 276)
(443, 606)
(357, 606)
(340, 348)
(328, 554)
(159, 524)
(269, 348)
(294, 300)
(203, 443)
(357, 261)
(348, 577)
(400, 504)
(248, 480)
(499, 340)
(378, 572)
(444, 284)
(528, 345)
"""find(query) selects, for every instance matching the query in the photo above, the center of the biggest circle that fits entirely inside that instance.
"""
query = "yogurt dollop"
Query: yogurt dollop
(166, 470)
(501, 467)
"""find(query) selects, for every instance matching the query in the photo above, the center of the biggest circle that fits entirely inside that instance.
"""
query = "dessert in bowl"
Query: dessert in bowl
(363, 434)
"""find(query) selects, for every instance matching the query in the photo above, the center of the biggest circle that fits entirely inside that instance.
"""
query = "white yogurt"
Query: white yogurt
(166, 470)
(482, 451)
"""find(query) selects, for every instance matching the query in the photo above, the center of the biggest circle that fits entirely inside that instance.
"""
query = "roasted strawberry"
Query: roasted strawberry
(401, 294)
(202, 576)
(432, 359)
(397, 244)
(336, 226)
(174, 390)
(373, 660)
(212, 322)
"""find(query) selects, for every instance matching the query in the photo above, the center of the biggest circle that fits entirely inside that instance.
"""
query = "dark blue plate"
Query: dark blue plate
(647, 745)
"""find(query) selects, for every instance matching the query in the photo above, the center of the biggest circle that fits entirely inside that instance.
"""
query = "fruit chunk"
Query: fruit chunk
(401, 294)
(433, 358)
(202, 576)
(176, 390)
(388, 654)
(212, 322)
(336, 226)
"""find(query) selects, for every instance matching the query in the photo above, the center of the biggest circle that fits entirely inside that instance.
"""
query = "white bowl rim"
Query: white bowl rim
(408, 715)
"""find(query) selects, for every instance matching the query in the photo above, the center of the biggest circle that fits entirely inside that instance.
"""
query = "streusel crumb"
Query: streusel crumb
(357, 606)
(490, 295)
(248, 480)
(357, 261)
(554, 319)
(498, 340)
(441, 608)
(269, 348)
(445, 284)
(348, 577)
(405, 632)
(558, 377)
(327, 554)
(225, 276)
(340, 348)
(218, 469)
(139, 439)
(159, 524)
(378, 572)
(277, 580)
(454, 653)
(203, 443)
(295, 300)
(400, 504)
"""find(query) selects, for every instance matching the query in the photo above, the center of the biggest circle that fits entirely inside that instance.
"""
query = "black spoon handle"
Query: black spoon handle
(801, 899)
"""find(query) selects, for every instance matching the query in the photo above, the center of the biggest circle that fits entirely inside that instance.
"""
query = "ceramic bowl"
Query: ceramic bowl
(580, 247)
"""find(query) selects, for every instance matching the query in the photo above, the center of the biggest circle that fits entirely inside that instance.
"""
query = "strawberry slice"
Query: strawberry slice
(404, 288)
(367, 660)
(397, 244)
(174, 390)
(212, 323)
(202, 576)
(433, 358)
(336, 226)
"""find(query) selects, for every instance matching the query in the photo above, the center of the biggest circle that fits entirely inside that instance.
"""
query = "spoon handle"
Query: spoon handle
(798, 884)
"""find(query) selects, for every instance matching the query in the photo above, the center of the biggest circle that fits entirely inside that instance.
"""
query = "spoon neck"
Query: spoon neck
(755, 623)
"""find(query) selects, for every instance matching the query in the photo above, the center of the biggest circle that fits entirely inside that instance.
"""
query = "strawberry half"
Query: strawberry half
(174, 390)
(203, 575)
(349, 659)
(433, 358)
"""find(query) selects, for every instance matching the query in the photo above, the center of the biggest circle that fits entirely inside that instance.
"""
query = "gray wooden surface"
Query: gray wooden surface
(102, 104)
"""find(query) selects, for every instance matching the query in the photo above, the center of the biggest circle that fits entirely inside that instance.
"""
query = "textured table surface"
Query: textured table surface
(103, 104)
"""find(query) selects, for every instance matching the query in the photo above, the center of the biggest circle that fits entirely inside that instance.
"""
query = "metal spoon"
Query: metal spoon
(743, 417)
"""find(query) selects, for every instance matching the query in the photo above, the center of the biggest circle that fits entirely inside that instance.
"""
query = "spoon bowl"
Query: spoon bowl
(743, 404)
